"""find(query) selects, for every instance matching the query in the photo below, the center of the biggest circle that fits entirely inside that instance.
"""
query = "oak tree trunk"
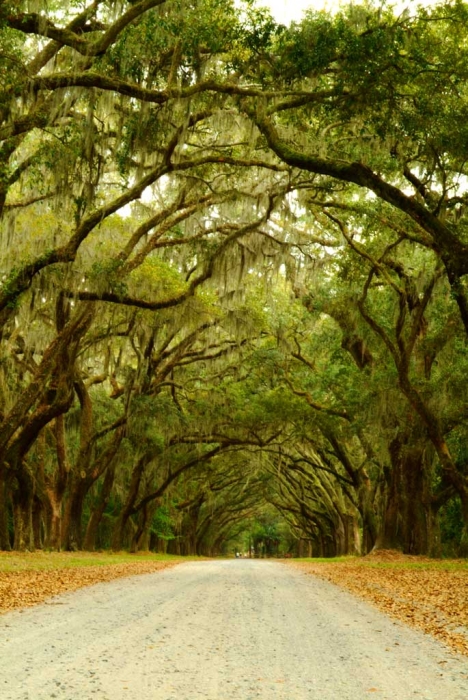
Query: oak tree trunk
(23, 497)
(5, 543)
(408, 520)
(53, 519)
(99, 510)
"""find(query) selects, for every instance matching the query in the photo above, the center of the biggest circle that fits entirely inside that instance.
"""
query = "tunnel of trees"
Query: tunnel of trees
(233, 278)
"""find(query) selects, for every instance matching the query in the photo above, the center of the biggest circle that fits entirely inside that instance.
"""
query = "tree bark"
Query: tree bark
(463, 551)
(408, 518)
(141, 538)
(23, 496)
(5, 543)
(122, 519)
(73, 531)
(54, 488)
(37, 522)
(99, 509)
(53, 518)
(89, 467)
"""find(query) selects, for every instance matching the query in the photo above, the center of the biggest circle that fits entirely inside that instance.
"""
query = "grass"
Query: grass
(50, 561)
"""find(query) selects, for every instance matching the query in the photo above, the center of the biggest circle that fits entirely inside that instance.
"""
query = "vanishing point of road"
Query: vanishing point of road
(220, 630)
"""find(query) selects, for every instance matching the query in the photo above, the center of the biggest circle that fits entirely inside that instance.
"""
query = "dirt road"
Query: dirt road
(218, 631)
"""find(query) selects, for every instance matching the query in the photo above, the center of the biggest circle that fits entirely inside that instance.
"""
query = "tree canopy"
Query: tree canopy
(233, 277)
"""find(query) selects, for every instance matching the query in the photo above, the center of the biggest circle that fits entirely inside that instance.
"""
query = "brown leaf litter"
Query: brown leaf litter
(433, 599)
(20, 589)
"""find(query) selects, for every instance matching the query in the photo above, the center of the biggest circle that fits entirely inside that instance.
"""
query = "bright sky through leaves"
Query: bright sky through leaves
(286, 11)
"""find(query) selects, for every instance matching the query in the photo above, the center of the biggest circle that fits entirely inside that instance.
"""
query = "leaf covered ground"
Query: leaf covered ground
(429, 594)
(28, 579)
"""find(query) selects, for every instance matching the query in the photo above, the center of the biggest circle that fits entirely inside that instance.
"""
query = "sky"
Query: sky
(285, 11)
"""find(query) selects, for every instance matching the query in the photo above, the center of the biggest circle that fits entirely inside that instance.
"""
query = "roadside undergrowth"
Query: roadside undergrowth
(30, 578)
(431, 595)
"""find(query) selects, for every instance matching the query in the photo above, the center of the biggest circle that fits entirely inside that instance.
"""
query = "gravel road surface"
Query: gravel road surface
(219, 630)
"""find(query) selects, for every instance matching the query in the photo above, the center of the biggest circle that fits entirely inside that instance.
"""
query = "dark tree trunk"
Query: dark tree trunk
(87, 472)
(53, 488)
(408, 519)
(52, 394)
(352, 539)
(23, 497)
(173, 546)
(463, 551)
(321, 545)
(194, 531)
(141, 538)
(99, 509)
(37, 522)
(122, 519)
(73, 531)
(339, 536)
(369, 518)
(5, 543)
(53, 518)
(433, 528)
(159, 545)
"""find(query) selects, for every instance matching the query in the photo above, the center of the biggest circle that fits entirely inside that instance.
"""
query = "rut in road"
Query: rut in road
(218, 630)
